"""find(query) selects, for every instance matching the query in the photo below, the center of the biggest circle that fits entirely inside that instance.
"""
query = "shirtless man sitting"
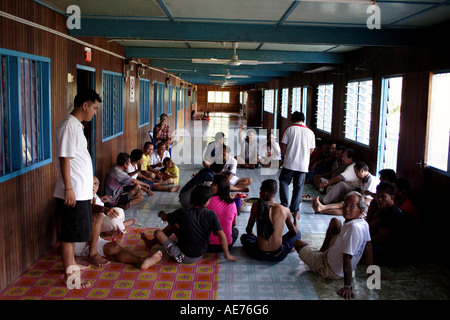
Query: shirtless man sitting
(270, 244)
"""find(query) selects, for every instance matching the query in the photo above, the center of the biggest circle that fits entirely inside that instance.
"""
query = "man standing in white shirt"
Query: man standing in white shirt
(73, 189)
(297, 144)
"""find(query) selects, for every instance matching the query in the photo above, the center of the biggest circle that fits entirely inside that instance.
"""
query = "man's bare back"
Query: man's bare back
(279, 216)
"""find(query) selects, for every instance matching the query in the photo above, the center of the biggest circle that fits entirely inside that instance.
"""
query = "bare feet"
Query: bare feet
(148, 243)
(129, 222)
(149, 192)
(98, 260)
(83, 267)
(82, 285)
(175, 188)
(73, 280)
(316, 204)
(150, 261)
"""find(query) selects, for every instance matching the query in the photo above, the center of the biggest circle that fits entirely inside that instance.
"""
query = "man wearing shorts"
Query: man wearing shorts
(343, 246)
(73, 189)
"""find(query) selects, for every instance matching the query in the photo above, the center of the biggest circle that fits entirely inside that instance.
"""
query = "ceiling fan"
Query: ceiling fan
(234, 60)
(228, 75)
(224, 83)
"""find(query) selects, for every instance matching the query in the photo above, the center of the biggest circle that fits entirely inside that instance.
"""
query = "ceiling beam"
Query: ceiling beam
(231, 32)
(260, 55)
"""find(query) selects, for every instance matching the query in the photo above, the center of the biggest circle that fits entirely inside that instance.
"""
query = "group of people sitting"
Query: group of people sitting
(195, 117)
(143, 170)
(373, 231)
(393, 220)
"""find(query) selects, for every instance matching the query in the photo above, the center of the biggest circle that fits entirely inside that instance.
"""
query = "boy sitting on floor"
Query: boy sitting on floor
(192, 227)
(111, 224)
(170, 171)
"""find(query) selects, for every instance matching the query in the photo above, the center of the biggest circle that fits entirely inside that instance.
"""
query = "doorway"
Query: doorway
(86, 80)
(391, 101)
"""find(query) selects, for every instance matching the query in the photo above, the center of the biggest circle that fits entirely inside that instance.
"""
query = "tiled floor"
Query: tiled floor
(290, 279)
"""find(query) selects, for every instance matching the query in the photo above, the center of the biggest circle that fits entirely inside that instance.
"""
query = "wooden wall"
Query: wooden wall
(28, 219)
(202, 99)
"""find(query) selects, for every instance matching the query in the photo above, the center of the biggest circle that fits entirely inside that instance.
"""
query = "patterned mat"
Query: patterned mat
(166, 280)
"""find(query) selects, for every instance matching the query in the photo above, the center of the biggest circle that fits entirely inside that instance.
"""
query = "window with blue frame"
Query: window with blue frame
(269, 99)
(177, 99)
(169, 99)
(358, 111)
(296, 99)
(25, 113)
(186, 98)
(112, 109)
(144, 102)
(161, 98)
(182, 99)
(324, 107)
(284, 102)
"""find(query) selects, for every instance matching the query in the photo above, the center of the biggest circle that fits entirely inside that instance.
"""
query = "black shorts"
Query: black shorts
(76, 222)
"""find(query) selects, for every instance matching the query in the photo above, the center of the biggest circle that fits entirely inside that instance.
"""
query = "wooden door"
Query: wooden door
(413, 129)
(254, 108)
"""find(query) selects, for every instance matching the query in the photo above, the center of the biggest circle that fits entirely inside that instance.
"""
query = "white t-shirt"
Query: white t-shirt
(275, 151)
(349, 176)
(299, 141)
(351, 240)
(370, 184)
(154, 158)
(132, 168)
(71, 143)
(230, 165)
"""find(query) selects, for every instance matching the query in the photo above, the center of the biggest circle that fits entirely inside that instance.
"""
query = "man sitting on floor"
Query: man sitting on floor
(390, 229)
(348, 174)
(123, 189)
(236, 184)
(342, 247)
(367, 185)
(270, 244)
(192, 227)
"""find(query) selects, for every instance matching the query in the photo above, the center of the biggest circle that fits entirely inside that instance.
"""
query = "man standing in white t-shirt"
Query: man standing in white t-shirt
(343, 246)
(297, 144)
(74, 186)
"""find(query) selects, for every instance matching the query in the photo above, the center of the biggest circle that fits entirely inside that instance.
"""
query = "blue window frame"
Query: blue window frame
(169, 99)
(177, 99)
(186, 97)
(144, 102)
(155, 103)
(161, 98)
(324, 107)
(112, 111)
(358, 111)
(25, 113)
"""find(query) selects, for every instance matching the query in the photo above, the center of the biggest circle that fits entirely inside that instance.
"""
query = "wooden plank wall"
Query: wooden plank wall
(28, 218)
(202, 99)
